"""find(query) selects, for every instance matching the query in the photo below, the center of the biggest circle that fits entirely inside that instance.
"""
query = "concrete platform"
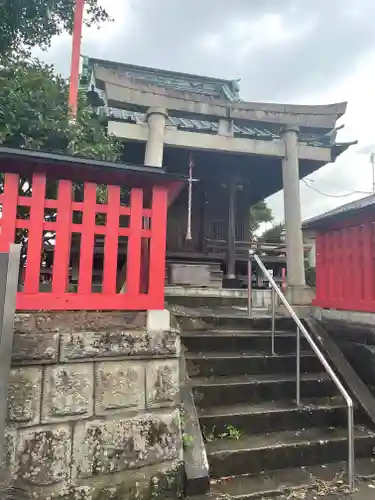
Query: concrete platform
(222, 311)
(216, 297)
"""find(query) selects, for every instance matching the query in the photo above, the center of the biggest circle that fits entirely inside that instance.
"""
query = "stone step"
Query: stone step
(230, 318)
(241, 341)
(206, 364)
(264, 452)
(272, 416)
(209, 392)
(312, 482)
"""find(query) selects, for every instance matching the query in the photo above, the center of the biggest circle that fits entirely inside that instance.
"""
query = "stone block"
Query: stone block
(116, 445)
(165, 343)
(40, 348)
(78, 321)
(68, 392)
(82, 346)
(24, 396)
(119, 385)
(43, 456)
(158, 321)
(10, 450)
(162, 383)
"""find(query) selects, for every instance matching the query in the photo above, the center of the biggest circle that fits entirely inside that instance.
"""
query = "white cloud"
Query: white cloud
(103, 38)
(309, 51)
(352, 170)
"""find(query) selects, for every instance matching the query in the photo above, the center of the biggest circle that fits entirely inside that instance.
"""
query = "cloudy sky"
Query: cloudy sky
(290, 51)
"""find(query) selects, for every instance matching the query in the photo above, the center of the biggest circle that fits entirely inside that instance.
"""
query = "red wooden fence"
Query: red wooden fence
(345, 273)
(61, 294)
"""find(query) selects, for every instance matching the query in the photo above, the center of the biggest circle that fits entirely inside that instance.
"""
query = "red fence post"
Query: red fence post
(35, 237)
(86, 256)
(111, 241)
(133, 268)
(158, 247)
(368, 263)
(9, 210)
(60, 271)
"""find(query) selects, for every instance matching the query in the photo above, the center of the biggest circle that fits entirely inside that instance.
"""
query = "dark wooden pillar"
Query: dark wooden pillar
(231, 258)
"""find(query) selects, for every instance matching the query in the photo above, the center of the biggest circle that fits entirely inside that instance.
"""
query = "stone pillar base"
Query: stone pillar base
(300, 295)
(158, 321)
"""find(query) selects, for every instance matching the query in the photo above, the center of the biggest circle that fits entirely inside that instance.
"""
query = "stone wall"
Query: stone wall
(354, 333)
(92, 408)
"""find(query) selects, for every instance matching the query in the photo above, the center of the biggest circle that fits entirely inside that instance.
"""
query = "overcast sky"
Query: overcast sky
(290, 51)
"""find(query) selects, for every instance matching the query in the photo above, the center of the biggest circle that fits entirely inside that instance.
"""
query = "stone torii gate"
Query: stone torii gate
(166, 113)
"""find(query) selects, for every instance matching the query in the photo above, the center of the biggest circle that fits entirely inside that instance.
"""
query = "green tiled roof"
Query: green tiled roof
(206, 126)
(202, 86)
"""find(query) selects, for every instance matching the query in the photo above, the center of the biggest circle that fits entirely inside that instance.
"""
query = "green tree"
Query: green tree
(34, 113)
(31, 23)
(274, 234)
(259, 213)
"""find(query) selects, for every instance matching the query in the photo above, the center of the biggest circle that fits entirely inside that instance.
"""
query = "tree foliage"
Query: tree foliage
(274, 234)
(259, 213)
(34, 113)
(31, 23)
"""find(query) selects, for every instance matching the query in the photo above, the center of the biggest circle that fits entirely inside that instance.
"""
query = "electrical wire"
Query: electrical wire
(335, 195)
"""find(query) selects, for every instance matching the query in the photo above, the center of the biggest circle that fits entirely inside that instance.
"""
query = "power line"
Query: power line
(335, 195)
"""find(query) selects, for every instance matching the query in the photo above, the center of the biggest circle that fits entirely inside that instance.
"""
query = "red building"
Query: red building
(345, 253)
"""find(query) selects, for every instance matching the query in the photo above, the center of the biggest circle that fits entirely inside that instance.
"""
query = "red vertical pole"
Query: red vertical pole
(347, 284)
(86, 255)
(60, 270)
(322, 267)
(111, 241)
(9, 211)
(158, 246)
(133, 266)
(336, 283)
(318, 266)
(368, 285)
(35, 239)
(76, 52)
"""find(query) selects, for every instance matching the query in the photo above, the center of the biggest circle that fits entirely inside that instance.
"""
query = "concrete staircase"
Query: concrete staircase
(259, 443)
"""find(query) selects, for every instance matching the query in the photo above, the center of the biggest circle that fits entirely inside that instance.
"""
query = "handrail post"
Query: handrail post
(273, 299)
(249, 286)
(326, 365)
(351, 455)
(298, 367)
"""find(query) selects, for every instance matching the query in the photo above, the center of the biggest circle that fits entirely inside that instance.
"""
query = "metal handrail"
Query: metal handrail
(315, 348)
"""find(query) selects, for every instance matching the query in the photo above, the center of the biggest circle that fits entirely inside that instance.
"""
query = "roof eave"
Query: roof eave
(340, 147)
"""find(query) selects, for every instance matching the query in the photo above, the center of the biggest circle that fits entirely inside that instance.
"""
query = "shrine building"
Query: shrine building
(235, 152)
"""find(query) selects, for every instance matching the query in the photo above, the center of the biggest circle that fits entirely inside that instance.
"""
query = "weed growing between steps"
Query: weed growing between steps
(230, 432)
(187, 439)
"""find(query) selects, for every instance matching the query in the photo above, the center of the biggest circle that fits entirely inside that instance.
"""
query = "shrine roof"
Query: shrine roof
(347, 210)
(197, 103)
(73, 167)
(201, 86)
(137, 88)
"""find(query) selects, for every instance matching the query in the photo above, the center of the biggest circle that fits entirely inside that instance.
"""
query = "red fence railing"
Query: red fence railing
(345, 273)
(85, 246)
